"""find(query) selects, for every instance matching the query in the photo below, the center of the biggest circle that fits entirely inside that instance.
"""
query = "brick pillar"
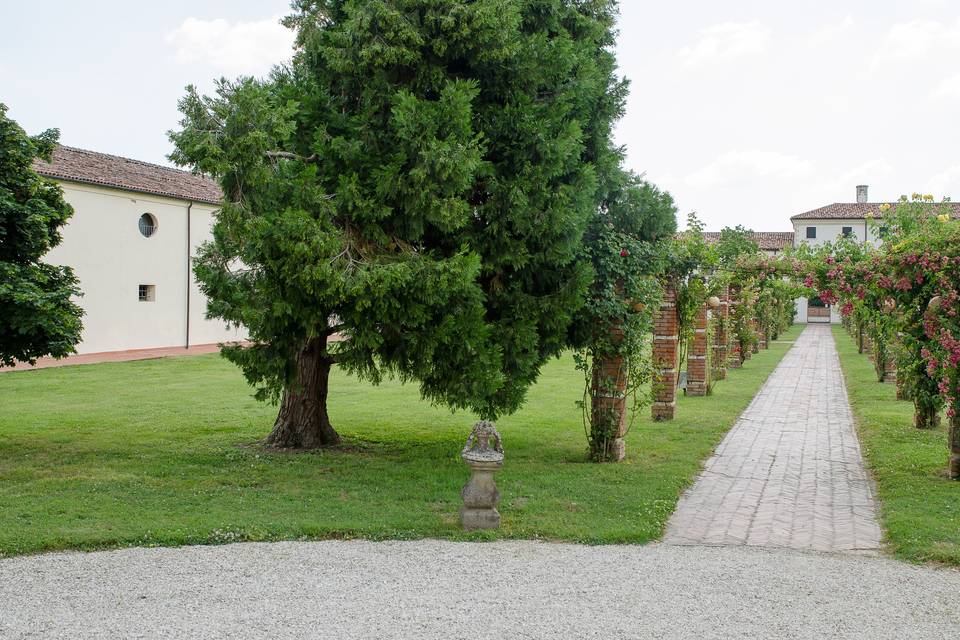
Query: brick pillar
(734, 361)
(954, 436)
(761, 340)
(755, 345)
(889, 367)
(721, 338)
(901, 391)
(698, 377)
(608, 415)
(665, 328)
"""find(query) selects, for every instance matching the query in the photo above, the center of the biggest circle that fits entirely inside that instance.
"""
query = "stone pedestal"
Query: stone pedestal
(483, 453)
(480, 495)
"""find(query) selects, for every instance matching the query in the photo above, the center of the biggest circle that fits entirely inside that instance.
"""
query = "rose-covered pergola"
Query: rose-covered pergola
(711, 306)
(904, 294)
(661, 306)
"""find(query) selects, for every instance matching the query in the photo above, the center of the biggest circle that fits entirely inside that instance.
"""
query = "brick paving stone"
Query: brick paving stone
(789, 473)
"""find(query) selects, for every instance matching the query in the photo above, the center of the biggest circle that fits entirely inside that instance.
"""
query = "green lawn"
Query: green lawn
(163, 452)
(919, 506)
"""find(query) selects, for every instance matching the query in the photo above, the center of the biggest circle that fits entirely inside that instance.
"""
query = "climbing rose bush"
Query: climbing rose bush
(912, 282)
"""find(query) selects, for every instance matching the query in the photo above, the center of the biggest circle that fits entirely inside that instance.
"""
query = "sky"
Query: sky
(747, 111)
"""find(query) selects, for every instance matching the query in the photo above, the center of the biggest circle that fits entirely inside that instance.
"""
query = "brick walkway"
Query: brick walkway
(789, 473)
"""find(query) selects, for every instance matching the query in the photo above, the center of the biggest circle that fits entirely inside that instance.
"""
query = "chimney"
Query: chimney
(862, 193)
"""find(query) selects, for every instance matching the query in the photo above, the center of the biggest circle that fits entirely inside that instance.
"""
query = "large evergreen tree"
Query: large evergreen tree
(418, 179)
(37, 314)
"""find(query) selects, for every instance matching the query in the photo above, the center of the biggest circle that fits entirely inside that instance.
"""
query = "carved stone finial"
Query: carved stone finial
(479, 445)
(483, 453)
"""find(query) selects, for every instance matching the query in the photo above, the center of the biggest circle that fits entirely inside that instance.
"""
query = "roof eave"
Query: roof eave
(120, 187)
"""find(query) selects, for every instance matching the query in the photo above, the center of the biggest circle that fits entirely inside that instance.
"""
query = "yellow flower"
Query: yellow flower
(943, 217)
(885, 207)
(928, 197)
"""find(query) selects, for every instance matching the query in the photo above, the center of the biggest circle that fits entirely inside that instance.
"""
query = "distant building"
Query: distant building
(837, 220)
(770, 242)
(860, 220)
(135, 229)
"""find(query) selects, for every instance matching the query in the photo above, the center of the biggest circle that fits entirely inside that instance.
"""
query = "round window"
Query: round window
(148, 225)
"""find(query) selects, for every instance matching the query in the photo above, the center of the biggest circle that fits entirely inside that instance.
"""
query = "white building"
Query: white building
(136, 226)
(829, 224)
(860, 220)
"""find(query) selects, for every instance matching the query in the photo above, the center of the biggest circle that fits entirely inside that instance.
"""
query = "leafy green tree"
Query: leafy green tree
(37, 314)
(692, 261)
(417, 180)
(735, 242)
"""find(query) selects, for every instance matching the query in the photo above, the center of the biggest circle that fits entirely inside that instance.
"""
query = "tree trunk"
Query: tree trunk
(303, 422)
(926, 415)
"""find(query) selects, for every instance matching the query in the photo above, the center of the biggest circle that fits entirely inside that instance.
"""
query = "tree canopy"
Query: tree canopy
(418, 180)
(37, 314)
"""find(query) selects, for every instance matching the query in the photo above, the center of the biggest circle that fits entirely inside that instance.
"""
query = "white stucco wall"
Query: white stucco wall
(103, 244)
(831, 230)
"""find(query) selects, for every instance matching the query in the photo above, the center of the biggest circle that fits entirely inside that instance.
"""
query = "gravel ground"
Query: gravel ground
(432, 589)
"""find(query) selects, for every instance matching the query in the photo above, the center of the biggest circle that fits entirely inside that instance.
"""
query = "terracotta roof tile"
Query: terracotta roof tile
(766, 240)
(854, 211)
(90, 167)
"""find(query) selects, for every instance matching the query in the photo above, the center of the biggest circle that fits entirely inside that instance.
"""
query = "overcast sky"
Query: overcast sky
(747, 111)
